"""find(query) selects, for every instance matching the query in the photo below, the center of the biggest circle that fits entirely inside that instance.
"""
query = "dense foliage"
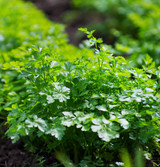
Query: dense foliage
(134, 25)
(19, 30)
(87, 105)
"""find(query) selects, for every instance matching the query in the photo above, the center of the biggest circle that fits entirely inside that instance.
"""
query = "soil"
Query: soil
(14, 155)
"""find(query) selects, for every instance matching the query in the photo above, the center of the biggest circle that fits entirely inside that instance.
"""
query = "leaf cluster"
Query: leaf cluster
(99, 103)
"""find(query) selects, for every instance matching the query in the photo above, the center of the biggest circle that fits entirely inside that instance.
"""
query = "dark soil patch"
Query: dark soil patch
(14, 155)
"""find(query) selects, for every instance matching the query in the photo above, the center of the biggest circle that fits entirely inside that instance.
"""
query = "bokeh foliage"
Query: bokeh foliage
(134, 26)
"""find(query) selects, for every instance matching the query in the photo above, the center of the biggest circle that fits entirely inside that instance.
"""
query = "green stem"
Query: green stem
(75, 154)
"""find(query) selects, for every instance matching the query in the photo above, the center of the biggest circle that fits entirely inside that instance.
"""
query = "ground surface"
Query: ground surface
(14, 155)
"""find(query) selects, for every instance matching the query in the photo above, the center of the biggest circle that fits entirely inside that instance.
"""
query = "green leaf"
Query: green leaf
(102, 107)
(50, 99)
(124, 123)
(41, 124)
(97, 121)
(58, 132)
(96, 128)
(53, 64)
(69, 66)
(15, 138)
(68, 122)
(106, 135)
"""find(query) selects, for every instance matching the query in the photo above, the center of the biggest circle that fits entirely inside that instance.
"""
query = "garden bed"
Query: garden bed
(98, 100)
